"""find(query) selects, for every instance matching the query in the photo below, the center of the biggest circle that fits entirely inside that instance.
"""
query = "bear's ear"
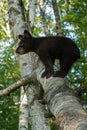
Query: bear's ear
(20, 37)
(27, 34)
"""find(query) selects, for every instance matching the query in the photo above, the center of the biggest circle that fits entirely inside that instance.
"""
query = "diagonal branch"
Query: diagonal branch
(16, 85)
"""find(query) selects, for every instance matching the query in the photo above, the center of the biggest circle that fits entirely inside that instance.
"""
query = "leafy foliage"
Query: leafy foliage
(9, 73)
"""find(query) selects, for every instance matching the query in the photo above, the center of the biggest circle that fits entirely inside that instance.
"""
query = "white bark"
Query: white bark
(16, 17)
(63, 104)
(37, 109)
(18, 25)
(26, 67)
(23, 117)
(32, 8)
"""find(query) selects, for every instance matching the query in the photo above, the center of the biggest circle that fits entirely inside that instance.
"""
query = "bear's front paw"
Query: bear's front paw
(60, 74)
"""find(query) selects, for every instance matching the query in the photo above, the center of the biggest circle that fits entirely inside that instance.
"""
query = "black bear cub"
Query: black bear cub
(49, 49)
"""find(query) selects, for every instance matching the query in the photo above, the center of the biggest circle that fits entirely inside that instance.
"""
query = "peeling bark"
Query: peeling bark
(63, 104)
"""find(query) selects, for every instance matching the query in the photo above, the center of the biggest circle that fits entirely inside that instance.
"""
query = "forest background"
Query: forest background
(73, 16)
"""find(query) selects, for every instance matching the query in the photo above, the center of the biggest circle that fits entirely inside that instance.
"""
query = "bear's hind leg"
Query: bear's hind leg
(65, 66)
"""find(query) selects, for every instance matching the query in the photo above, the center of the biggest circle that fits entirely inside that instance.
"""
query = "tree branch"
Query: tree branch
(16, 85)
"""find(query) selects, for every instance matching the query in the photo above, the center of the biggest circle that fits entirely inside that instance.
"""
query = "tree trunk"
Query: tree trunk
(17, 16)
(38, 120)
(32, 9)
(63, 104)
(37, 110)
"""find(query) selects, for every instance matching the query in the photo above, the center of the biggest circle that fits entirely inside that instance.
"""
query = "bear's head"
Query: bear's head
(25, 43)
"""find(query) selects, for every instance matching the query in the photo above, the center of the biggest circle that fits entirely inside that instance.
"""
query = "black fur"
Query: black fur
(49, 49)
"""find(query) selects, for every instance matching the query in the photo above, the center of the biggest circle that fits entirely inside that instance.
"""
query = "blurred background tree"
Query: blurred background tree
(73, 15)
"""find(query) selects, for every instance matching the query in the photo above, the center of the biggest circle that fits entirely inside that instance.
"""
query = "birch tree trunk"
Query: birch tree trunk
(37, 110)
(63, 104)
(16, 15)
(32, 9)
